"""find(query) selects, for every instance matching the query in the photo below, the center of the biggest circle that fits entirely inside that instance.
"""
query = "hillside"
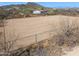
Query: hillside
(25, 10)
(16, 11)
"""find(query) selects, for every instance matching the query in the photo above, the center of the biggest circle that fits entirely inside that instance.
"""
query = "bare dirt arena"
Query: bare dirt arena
(22, 28)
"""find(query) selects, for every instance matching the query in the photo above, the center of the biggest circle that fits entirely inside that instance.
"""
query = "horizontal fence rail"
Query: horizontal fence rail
(37, 37)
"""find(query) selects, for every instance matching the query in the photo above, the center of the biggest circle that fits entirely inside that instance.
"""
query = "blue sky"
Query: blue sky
(47, 4)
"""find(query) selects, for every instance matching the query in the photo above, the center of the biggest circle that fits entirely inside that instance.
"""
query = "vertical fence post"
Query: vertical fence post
(38, 50)
(50, 45)
(50, 34)
(36, 38)
(4, 38)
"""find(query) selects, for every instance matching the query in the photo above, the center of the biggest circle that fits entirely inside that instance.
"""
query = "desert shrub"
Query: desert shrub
(68, 34)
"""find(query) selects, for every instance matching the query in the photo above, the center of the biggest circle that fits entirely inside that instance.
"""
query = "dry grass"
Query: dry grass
(41, 49)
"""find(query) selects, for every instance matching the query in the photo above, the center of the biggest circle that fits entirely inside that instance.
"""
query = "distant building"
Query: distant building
(36, 12)
(39, 12)
(44, 11)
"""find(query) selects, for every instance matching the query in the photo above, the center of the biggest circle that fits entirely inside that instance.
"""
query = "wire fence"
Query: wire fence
(28, 40)
(35, 39)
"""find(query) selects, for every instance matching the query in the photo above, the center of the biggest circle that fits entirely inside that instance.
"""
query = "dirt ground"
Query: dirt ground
(23, 27)
(73, 52)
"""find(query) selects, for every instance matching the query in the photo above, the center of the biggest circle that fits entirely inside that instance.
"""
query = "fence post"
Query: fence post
(36, 38)
(38, 50)
(50, 37)
(50, 34)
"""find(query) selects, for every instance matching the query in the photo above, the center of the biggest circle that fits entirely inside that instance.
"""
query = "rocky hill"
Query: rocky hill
(25, 10)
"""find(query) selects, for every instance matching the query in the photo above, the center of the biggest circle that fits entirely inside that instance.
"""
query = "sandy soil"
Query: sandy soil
(23, 27)
(73, 52)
